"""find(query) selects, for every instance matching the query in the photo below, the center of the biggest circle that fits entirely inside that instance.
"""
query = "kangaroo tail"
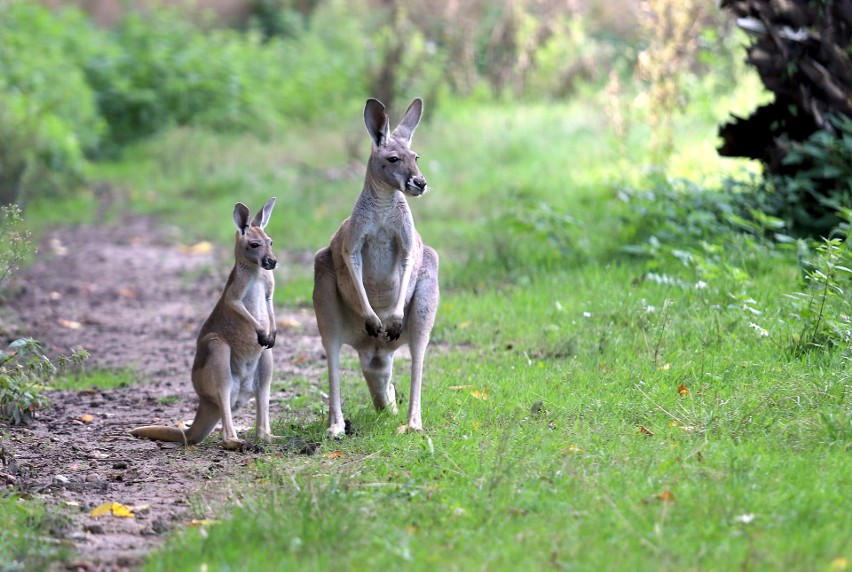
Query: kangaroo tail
(205, 420)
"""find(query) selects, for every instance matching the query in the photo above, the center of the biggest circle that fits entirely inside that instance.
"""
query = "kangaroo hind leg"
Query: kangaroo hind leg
(263, 381)
(421, 318)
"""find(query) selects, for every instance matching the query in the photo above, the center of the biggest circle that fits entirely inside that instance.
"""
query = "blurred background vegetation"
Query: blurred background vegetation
(78, 86)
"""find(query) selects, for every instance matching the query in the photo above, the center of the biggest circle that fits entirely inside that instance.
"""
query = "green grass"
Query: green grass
(577, 414)
(96, 379)
(26, 523)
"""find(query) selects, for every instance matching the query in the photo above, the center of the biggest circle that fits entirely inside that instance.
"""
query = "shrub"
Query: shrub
(23, 368)
(48, 117)
(15, 243)
(822, 310)
(24, 371)
(809, 199)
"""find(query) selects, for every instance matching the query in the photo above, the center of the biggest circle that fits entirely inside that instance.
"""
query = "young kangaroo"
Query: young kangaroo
(376, 285)
(233, 359)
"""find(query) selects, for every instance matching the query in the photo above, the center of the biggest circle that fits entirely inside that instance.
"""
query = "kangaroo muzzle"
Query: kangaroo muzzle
(268, 262)
(416, 185)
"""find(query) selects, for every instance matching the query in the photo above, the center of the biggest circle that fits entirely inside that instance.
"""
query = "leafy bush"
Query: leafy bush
(48, 116)
(809, 199)
(24, 371)
(823, 311)
(23, 368)
(15, 243)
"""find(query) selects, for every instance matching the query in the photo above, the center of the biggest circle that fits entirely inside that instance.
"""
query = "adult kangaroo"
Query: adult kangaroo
(376, 285)
(233, 356)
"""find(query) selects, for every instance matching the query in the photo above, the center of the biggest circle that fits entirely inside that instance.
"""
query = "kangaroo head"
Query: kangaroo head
(252, 245)
(392, 164)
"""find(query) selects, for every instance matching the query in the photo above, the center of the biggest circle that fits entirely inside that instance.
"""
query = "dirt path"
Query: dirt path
(134, 298)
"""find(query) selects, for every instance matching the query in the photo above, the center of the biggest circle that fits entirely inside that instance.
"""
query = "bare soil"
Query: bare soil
(134, 297)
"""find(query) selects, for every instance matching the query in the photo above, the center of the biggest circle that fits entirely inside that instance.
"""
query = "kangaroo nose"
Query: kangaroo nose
(419, 182)
(269, 263)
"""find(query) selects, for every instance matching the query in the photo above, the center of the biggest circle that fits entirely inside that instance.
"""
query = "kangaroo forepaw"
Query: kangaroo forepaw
(393, 327)
(373, 326)
(266, 340)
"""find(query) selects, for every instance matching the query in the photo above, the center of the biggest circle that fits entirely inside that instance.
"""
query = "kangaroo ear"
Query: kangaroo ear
(409, 123)
(241, 217)
(262, 217)
(376, 121)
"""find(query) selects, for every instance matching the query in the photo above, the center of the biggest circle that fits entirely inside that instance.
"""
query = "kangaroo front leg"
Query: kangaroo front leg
(372, 323)
(273, 326)
(393, 325)
(263, 338)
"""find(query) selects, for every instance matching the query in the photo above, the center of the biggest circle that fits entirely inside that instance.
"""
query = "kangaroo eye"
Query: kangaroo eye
(254, 244)
(393, 159)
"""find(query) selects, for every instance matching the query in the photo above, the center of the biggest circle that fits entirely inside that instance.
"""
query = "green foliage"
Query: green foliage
(25, 524)
(83, 91)
(808, 200)
(24, 372)
(823, 311)
(48, 116)
(15, 243)
(276, 18)
(162, 69)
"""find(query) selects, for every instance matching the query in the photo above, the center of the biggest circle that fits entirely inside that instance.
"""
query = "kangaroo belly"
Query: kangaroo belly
(255, 303)
(381, 274)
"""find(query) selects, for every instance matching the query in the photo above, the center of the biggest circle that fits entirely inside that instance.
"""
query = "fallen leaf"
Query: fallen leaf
(202, 247)
(682, 389)
(645, 431)
(114, 509)
(574, 449)
(334, 455)
(411, 529)
(460, 387)
(128, 293)
(664, 496)
(839, 564)
(287, 323)
(203, 522)
(300, 359)
(70, 324)
(483, 395)
(401, 429)
(86, 418)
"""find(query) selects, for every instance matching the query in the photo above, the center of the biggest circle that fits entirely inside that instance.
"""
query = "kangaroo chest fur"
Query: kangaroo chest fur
(383, 237)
